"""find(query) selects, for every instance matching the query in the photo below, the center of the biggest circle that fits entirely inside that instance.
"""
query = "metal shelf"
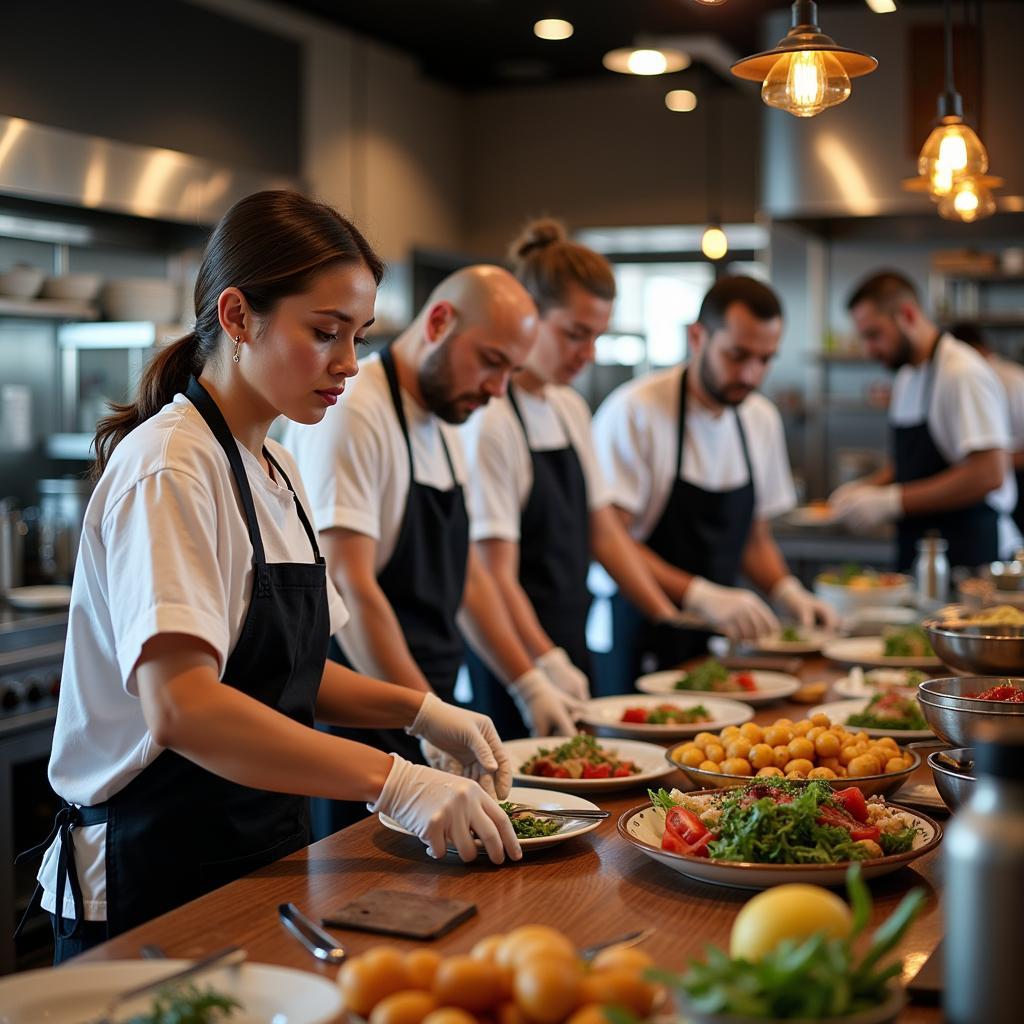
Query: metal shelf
(47, 309)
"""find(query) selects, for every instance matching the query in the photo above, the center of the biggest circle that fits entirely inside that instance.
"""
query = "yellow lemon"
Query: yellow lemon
(787, 912)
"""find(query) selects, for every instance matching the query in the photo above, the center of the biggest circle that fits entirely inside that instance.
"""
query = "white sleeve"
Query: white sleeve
(496, 486)
(773, 480)
(977, 411)
(578, 414)
(623, 453)
(344, 468)
(162, 569)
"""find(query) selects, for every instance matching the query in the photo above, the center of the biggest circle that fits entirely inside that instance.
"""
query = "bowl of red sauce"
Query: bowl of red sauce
(954, 707)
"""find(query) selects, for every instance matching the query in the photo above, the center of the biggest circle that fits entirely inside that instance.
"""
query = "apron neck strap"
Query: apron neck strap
(681, 433)
(208, 409)
(522, 423)
(310, 533)
(387, 358)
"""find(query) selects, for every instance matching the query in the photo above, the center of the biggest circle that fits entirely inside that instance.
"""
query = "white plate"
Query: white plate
(543, 799)
(31, 598)
(650, 759)
(605, 714)
(812, 515)
(855, 685)
(813, 642)
(75, 994)
(839, 710)
(867, 650)
(642, 827)
(770, 686)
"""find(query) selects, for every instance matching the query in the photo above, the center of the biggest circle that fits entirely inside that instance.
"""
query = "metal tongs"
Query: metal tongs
(584, 814)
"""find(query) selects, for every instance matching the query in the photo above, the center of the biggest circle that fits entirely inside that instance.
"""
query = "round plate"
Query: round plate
(770, 686)
(812, 642)
(839, 710)
(642, 827)
(605, 715)
(867, 650)
(650, 759)
(32, 598)
(856, 685)
(543, 799)
(812, 515)
(80, 993)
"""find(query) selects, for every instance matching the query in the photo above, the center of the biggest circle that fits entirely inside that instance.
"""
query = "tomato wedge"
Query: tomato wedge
(852, 801)
(685, 833)
(638, 715)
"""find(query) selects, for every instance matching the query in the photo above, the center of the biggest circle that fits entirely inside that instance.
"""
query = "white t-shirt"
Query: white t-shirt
(165, 549)
(356, 468)
(967, 411)
(502, 473)
(1011, 376)
(635, 432)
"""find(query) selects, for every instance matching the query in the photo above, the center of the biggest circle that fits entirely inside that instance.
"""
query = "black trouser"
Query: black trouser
(90, 934)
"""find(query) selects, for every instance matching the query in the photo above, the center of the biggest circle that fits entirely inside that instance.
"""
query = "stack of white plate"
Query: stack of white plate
(73, 287)
(141, 298)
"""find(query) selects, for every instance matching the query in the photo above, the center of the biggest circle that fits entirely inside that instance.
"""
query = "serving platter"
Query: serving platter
(771, 686)
(642, 828)
(605, 715)
(840, 710)
(811, 641)
(869, 650)
(648, 757)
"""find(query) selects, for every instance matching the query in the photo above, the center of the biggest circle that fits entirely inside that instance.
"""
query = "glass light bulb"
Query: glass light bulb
(647, 62)
(969, 200)
(951, 153)
(681, 101)
(553, 29)
(713, 243)
(805, 83)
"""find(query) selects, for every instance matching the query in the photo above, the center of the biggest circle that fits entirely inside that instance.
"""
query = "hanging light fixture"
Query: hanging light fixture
(554, 29)
(969, 200)
(952, 152)
(807, 72)
(713, 243)
(631, 60)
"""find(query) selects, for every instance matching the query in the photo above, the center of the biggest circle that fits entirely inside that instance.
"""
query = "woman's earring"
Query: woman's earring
(238, 341)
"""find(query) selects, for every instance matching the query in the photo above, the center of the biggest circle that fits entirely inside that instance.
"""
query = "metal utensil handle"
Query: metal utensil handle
(543, 811)
(302, 927)
(227, 957)
(629, 939)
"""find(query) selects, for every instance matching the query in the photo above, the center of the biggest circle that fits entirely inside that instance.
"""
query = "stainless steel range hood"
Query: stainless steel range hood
(54, 165)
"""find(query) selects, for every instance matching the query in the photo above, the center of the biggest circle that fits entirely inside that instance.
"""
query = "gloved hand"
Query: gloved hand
(555, 664)
(791, 594)
(466, 736)
(740, 614)
(543, 708)
(866, 507)
(844, 490)
(495, 785)
(443, 809)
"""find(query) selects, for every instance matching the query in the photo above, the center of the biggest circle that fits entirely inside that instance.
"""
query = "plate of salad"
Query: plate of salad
(880, 680)
(534, 830)
(582, 764)
(898, 647)
(790, 640)
(885, 714)
(773, 831)
(712, 676)
(649, 716)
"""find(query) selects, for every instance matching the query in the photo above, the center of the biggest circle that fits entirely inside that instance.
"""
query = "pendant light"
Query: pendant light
(969, 200)
(807, 71)
(952, 152)
(713, 243)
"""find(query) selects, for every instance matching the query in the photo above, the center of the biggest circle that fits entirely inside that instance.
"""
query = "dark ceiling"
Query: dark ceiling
(474, 44)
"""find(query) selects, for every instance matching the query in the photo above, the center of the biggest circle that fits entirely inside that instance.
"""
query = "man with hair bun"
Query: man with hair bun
(540, 509)
(697, 464)
(950, 435)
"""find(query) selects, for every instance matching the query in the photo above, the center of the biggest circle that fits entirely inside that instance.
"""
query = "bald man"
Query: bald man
(385, 472)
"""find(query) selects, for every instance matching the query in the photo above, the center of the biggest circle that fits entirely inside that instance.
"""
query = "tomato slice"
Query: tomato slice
(596, 771)
(839, 818)
(638, 715)
(852, 801)
(624, 770)
(746, 681)
(685, 833)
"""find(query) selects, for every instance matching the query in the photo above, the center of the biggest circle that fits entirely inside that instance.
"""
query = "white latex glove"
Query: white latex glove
(555, 664)
(844, 490)
(494, 785)
(467, 737)
(740, 614)
(446, 810)
(791, 594)
(866, 507)
(542, 706)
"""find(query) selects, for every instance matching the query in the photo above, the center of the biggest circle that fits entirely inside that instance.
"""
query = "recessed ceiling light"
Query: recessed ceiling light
(882, 6)
(682, 101)
(553, 28)
(632, 61)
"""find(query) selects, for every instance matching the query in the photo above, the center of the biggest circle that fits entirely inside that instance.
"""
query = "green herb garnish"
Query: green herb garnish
(188, 1005)
(910, 642)
(791, 635)
(528, 826)
(889, 711)
(706, 677)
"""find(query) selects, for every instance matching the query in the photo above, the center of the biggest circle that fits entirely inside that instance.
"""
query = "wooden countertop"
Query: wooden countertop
(593, 887)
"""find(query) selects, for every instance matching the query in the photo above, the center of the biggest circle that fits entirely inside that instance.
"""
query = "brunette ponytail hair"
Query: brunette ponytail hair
(547, 263)
(268, 245)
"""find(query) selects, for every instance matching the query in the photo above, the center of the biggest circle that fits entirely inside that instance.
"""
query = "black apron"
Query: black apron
(972, 532)
(1018, 512)
(701, 532)
(423, 581)
(177, 831)
(554, 558)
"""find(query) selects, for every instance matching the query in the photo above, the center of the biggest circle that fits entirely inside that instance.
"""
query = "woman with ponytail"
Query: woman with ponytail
(539, 509)
(195, 666)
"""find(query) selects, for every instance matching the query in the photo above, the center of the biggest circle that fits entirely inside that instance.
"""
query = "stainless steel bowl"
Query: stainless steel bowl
(869, 785)
(952, 715)
(954, 787)
(982, 649)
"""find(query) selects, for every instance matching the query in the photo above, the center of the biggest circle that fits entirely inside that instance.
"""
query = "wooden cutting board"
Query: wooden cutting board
(406, 914)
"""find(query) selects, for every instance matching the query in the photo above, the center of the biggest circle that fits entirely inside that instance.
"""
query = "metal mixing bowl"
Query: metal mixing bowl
(952, 716)
(983, 649)
(954, 787)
